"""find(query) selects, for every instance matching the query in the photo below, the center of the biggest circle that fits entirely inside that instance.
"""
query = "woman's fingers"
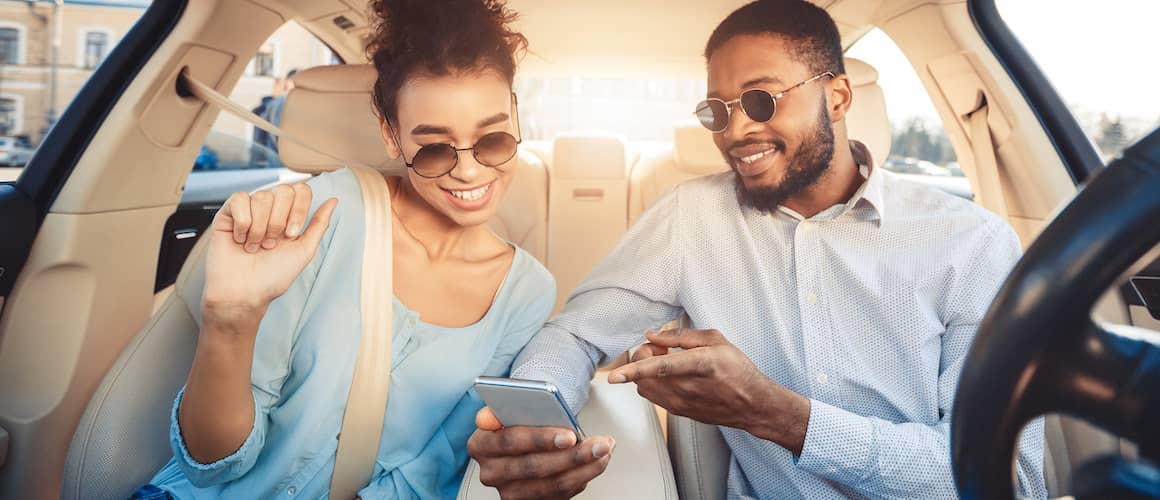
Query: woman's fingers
(299, 210)
(235, 216)
(260, 204)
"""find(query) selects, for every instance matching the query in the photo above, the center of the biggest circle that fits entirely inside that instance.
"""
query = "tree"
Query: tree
(918, 140)
(1111, 138)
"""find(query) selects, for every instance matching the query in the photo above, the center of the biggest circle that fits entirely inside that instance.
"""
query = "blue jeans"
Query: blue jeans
(150, 492)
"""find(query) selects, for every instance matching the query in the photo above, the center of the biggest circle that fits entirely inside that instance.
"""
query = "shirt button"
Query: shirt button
(823, 378)
(292, 490)
(812, 298)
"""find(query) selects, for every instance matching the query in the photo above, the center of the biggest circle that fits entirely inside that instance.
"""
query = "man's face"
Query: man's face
(786, 155)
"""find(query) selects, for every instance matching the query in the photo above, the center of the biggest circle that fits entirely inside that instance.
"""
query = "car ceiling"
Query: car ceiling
(610, 38)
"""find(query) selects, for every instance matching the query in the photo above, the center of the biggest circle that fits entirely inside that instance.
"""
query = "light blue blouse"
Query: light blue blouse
(304, 361)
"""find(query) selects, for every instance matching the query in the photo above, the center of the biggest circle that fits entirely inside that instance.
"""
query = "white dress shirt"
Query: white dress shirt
(867, 308)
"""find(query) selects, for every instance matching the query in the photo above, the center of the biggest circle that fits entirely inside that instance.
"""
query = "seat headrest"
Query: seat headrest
(860, 72)
(866, 121)
(694, 150)
(589, 156)
(331, 107)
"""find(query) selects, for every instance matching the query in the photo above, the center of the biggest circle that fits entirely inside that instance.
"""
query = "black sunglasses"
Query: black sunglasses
(758, 104)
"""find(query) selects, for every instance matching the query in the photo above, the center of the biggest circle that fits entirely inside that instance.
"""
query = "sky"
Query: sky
(1099, 59)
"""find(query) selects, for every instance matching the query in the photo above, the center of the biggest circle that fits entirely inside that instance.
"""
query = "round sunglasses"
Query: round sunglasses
(758, 104)
(439, 159)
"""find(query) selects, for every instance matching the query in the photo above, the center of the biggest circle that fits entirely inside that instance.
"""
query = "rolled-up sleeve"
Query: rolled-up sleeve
(634, 288)
(226, 469)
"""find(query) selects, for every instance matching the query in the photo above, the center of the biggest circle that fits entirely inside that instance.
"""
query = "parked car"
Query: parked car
(15, 151)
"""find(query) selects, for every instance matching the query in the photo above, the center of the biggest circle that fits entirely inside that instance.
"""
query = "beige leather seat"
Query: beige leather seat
(122, 438)
(699, 454)
(694, 154)
(589, 192)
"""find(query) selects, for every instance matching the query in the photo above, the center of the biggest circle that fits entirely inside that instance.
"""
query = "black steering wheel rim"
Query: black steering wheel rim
(1038, 350)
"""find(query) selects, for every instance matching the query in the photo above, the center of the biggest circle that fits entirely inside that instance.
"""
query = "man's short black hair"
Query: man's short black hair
(813, 36)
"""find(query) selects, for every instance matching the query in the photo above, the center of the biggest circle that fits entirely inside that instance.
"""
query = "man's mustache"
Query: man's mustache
(776, 142)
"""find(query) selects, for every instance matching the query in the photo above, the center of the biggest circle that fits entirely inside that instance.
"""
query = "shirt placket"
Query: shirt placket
(811, 309)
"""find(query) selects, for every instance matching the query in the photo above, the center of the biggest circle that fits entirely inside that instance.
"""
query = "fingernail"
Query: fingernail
(293, 230)
(269, 244)
(616, 378)
(563, 440)
(600, 449)
(252, 247)
(613, 447)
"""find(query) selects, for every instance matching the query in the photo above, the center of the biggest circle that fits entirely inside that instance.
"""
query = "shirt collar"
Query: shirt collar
(868, 195)
(870, 192)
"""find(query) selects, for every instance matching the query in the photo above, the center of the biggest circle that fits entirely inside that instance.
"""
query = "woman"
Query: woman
(280, 321)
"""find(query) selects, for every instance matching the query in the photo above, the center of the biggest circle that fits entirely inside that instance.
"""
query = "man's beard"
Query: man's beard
(809, 163)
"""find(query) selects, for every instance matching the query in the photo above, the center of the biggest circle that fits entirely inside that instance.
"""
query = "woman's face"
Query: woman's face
(457, 110)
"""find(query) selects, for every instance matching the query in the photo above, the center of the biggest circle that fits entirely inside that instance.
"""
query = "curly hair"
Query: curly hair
(417, 38)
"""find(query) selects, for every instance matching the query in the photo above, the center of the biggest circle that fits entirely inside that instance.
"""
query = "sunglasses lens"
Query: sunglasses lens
(495, 149)
(758, 105)
(434, 160)
(713, 115)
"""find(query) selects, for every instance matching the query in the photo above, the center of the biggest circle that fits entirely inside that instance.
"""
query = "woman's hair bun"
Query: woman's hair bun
(438, 38)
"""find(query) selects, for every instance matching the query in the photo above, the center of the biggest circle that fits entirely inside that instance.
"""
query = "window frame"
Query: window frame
(252, 66)
(21, 42)
(82, 45)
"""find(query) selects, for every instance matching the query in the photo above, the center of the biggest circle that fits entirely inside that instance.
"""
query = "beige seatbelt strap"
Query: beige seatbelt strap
(989, 189)
(366, 404)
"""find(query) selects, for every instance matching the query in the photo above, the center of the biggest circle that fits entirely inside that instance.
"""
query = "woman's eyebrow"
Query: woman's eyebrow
(492, 120)
(423, 129)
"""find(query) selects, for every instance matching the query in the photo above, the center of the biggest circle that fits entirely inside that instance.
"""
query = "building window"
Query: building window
(264, 61)
(9, 116)
(9, 46)
(95, 49)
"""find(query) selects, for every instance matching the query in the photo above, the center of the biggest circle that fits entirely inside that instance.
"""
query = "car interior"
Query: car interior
(96, 333)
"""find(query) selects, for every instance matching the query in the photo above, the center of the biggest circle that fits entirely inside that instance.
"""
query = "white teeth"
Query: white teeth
(473, 195)
(754, 157)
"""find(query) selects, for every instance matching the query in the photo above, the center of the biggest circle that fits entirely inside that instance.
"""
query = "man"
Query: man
(261, 136)
(271, 109)
(834, 302)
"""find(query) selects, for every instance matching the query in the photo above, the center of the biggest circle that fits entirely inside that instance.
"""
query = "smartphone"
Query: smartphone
(531, 403)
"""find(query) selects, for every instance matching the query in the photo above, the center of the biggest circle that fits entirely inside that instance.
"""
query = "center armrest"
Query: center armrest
(640, 466)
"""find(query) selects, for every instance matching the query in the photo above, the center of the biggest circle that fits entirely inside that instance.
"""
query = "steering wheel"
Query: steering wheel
(1038, 350)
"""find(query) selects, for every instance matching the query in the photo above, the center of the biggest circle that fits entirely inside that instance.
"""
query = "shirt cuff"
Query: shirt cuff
(839, 445)
(200, 473)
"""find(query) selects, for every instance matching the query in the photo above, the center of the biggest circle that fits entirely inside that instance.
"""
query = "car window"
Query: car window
(1109, 86)
(919, 148)
(235, 144)
(46, 55)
